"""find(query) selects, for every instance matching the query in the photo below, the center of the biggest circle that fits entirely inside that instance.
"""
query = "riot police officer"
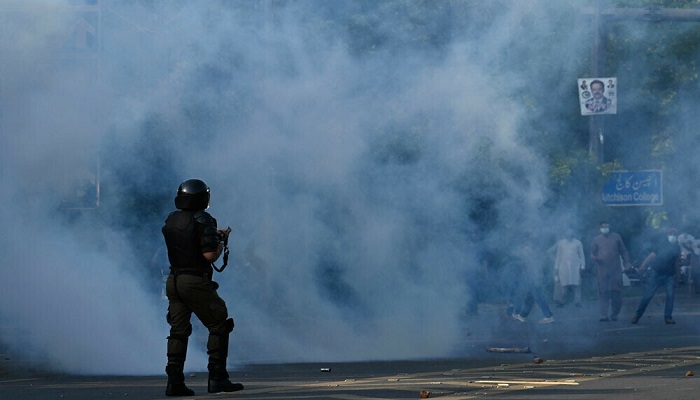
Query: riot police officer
(194, 243)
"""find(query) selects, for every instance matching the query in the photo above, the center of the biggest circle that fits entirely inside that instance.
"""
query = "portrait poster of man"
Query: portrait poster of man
(597, 96)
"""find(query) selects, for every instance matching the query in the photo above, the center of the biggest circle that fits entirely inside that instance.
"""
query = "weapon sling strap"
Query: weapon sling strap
(225, 261)
(225, 244)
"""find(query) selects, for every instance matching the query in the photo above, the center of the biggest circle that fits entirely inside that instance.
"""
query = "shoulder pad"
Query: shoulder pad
(205, 218)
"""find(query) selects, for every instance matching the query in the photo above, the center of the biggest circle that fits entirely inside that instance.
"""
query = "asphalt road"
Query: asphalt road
(576, 357)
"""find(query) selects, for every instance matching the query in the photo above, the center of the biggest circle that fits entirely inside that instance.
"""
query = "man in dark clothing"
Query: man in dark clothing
(663, 267)
(607, 252)
(194, 243)
(529, 290)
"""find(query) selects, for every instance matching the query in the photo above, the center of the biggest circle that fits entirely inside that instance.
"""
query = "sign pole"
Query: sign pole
(596, 133)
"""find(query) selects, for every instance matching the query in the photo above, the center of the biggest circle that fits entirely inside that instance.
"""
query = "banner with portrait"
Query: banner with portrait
(597, 96)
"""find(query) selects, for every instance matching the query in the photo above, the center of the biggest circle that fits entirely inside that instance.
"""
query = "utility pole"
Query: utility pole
(596, 127)
(596, 131)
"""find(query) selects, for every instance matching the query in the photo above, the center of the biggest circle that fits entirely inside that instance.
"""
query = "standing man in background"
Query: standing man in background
(609, 253)
(569, 261)
(194, 243)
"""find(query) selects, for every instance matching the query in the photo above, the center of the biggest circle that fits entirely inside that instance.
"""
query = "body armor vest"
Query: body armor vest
(183, 238)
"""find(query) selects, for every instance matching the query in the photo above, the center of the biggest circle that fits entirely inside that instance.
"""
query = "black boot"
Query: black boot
(217, 348)
(178, 389)
(219, 382)
(176, 382)
(218, 386)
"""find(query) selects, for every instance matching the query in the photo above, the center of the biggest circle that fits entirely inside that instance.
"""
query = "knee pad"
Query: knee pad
(223, 328)
(184, 335)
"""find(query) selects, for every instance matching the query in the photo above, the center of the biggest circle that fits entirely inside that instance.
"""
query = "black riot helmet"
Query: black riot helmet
(193, 194)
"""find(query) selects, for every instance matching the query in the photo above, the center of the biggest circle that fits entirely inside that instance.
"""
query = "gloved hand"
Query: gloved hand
(223, 234)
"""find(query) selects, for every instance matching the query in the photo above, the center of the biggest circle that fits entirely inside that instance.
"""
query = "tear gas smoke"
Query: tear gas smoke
(353, 158)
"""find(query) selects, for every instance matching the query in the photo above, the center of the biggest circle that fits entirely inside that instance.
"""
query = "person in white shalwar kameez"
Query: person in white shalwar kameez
(569, 261)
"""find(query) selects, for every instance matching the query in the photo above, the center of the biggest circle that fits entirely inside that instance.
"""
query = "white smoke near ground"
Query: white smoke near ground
(347, 175)
(72, 307)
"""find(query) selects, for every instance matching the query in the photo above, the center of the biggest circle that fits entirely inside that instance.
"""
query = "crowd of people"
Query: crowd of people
(533, 274)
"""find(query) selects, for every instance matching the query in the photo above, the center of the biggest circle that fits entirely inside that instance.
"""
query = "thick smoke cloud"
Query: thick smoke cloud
(353, 157)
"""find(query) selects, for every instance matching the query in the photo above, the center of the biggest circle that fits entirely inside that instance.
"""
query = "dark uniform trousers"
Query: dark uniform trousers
(189, 294)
